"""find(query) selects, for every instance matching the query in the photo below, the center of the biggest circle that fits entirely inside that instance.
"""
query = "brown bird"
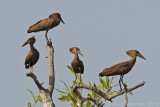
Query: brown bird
(122, 68)
(77, 64)
(33, 54)
(46, 24)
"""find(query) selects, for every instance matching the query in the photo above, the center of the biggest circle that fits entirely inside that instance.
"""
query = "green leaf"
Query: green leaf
(89, 95)
(72, 97)
(107, 81)
(73, 104)
(39, 98)
(29, 104)
(65, 98)
(28, 100)
(61, 91)
(104, 85)
(65, 85)
(88, 103)
(32, 94)
(101, 102)
(93, 94)
(71, 69)
(95, 85)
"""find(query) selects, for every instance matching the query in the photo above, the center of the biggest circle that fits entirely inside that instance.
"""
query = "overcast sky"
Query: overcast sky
(103, 30)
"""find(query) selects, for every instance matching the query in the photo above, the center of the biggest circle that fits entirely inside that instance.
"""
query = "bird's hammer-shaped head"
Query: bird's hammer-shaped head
(75, 50)
(30, 41)
(56, 15)
(134, 53)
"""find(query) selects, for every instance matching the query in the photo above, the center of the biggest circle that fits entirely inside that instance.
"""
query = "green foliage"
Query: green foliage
(35, 98)
(68, 96)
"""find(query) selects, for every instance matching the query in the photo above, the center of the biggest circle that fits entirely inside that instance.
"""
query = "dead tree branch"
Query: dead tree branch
(128, 90)
(35, 80)
(46, 94)
(81, 100)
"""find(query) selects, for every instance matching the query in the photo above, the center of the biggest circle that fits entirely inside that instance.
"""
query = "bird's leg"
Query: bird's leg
(122, 79)
(120, 84)
(124, 85)
(80, 78)
(75, 78)
(32, 69)
(46, 35)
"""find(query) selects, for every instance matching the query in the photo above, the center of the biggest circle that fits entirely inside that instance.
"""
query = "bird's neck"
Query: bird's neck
(132, 61)
(32, 47)
(76, 58)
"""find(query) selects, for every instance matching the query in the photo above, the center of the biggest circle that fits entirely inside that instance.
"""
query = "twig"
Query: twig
(30, 74)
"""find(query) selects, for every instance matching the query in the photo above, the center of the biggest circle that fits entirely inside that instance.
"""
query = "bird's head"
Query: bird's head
(56, 15)
(133, 53)
(75, 50)
(30, 41)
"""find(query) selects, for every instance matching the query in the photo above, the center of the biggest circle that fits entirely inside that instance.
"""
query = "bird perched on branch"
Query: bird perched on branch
(46, 24)
(77, 64)
(122, 68)
(32, 56)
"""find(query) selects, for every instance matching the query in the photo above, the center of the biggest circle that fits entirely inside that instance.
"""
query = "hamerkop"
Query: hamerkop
(122, 68)
(33, 54)
(77, 64)
(46, 24)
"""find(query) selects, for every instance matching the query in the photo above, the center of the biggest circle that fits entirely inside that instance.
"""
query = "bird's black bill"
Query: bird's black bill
(80, 53)
(62, 21)
(141, 56)
(25, 43)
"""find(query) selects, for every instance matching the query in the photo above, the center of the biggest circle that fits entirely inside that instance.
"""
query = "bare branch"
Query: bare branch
(128, 90)
(50, 49)
(126, 98)
(81, 100)
(96, 102)
(35, 80)
(89, 87)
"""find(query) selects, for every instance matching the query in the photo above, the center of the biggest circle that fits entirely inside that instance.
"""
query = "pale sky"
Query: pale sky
(103, 30)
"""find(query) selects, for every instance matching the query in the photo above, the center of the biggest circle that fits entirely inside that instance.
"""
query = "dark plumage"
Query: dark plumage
(77, 64)
(33, 55)
(122, 68)
(46, 24)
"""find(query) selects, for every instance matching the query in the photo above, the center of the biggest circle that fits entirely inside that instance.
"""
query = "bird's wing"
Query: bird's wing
(28, 59)
(117, 69)
(32, 58)
(41, 25)
(121, 68)
(81, 66)
(107, 72)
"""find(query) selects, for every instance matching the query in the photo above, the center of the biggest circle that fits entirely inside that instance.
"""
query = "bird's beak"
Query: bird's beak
(25, 43)
(62, 20)
(80, 53)
(141, 56)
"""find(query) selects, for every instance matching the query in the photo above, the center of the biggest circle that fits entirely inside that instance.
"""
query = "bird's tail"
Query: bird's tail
(26, 66)
(29, 31)
(101, 75)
